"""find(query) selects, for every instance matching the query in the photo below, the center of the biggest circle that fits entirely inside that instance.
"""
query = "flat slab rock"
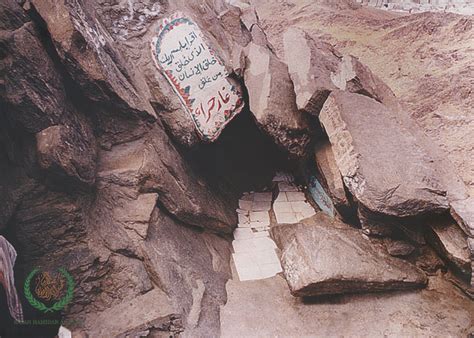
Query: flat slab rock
(381, 162)
(150, 308)
(325, 256)
(331, 177)
(452, 243)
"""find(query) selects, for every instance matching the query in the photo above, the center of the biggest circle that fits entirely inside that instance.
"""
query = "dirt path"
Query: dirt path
(265, 308)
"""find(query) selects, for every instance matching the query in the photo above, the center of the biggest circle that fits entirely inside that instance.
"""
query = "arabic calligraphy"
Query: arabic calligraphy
(211, 104)
(49, 286)
(197, 75)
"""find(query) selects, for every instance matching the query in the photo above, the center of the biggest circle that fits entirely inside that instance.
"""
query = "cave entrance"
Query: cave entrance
(242, 159)
(265, 183)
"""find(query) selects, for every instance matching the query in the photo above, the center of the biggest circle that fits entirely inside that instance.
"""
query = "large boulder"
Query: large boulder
(88, 53)
(149, 318)
(133, 30)
(382, 164)
(154, 165)
(311, 64)
(325, 256)
(316, 69)
(355, 77)
(272, 100)
(192, 268)
(331, 177)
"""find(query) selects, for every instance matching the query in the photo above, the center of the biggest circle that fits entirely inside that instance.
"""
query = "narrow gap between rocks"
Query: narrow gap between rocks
(242, 159)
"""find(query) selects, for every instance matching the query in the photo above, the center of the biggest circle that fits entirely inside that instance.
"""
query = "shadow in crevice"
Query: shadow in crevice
(350, 297)
(242, 159)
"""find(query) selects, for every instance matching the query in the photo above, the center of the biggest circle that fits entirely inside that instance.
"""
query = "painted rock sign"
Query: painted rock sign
(197, 75)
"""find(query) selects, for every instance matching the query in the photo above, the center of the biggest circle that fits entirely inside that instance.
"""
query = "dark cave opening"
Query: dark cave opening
(242, 159)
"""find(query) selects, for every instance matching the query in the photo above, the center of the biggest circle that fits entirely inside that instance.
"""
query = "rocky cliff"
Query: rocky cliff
(105, 172)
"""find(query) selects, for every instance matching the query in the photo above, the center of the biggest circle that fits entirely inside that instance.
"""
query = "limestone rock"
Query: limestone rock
(135, 214)
(14, 184)
(192, 268)
(310, 64)
(332, 179)
(87, 51)
(355, 77)
(398, 248)
(155, 164)
(146, 316)
(451, 242)
(463, 212)
(66, 151)
(429, 261)
(272, 100)
(31, 88)
(324, 256)
(381, 163)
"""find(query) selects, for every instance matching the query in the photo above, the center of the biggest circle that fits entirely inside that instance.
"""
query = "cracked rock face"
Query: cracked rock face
(324, 256)
(66, 151)
(353, 76)
(272, 100)
(154, 165)
(102, 171)
(452, 243)
(93, 182)
(310, 64)
(331, 177)
(380, 161)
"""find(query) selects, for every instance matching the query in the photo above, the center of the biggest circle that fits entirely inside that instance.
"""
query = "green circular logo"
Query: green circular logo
(49, 287)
